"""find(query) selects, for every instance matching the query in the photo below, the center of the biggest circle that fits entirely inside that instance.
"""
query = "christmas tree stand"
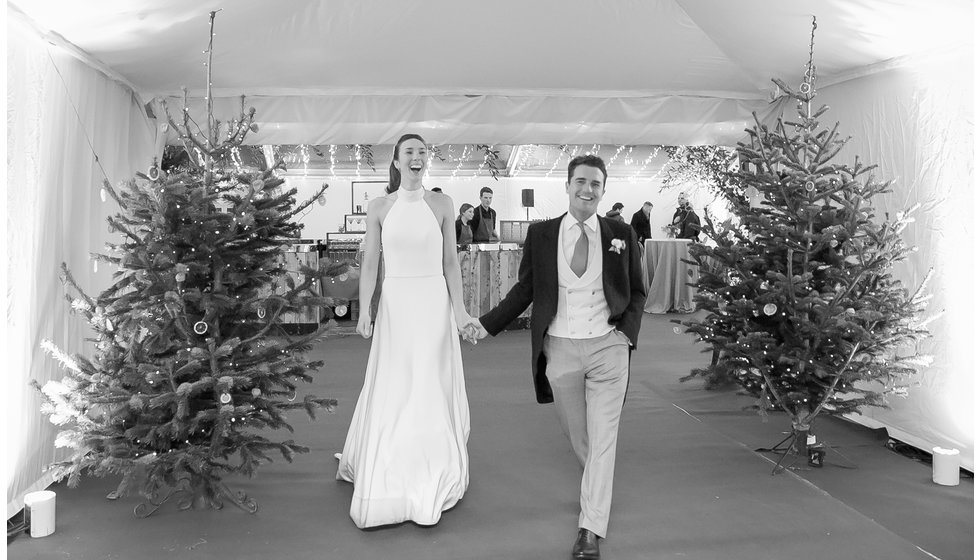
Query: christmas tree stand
(212, 495)
(800, 444)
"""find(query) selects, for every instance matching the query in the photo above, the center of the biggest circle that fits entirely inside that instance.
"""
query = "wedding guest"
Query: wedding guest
(616, 213)
(685, 223)
(464, 233)
(582, 274)
(484, 220)
(641, 222)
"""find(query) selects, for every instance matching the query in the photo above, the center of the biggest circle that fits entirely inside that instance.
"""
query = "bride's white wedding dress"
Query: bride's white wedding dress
(406, 448)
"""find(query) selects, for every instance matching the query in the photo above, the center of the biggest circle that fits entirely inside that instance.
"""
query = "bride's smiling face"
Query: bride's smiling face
(411, 160)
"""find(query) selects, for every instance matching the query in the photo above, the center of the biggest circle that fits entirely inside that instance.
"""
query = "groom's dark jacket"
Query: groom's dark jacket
(537, 283)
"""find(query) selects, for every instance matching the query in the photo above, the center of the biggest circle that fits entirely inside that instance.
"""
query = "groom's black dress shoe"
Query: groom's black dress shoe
(586, 546)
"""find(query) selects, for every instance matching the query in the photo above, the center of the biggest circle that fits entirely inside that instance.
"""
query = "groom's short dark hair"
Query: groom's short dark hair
(591, 161)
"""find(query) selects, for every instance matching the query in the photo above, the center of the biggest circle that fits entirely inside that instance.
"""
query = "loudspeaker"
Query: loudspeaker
(527, 198)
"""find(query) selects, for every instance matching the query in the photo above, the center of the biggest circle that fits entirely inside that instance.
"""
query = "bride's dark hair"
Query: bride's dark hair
(394, 175)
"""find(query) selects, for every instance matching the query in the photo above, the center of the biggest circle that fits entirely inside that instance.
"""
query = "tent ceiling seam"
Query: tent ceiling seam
(752, 76)
(53, 38)
(437, 93)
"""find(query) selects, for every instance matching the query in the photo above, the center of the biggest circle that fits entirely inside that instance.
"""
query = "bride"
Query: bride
(405, 451)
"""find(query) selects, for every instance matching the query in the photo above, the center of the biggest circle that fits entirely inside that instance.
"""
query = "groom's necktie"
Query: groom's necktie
(580, 256)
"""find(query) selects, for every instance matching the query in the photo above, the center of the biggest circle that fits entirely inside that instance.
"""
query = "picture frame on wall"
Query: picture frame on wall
(363, 192)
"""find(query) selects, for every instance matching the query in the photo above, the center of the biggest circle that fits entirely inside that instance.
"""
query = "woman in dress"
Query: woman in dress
(464, 232)
(406, 448)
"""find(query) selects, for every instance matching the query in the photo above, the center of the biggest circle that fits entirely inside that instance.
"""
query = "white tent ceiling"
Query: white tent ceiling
(627, 71)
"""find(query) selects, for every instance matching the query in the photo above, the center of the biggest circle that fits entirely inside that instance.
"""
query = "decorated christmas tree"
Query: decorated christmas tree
(191, 369)
(804, 311)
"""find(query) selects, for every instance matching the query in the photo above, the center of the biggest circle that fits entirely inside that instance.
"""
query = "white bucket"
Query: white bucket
(945, 466)
(40, 512)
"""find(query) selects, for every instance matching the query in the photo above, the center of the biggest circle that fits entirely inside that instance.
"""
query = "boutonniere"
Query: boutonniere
(617, 246)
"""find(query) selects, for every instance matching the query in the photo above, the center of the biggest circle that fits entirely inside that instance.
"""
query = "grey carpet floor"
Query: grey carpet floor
(688, 483)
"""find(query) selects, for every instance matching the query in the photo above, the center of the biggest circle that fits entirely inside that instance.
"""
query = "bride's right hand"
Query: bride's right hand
(364, 326)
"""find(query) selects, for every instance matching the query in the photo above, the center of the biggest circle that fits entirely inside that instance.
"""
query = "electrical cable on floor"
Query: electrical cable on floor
(15, 526)
(916, 454)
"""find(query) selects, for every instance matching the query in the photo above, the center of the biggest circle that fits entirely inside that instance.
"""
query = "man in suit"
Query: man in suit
(583, 274)
(641, 222)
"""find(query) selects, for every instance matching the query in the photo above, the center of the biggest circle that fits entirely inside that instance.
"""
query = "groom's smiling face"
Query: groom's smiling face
(585, 190)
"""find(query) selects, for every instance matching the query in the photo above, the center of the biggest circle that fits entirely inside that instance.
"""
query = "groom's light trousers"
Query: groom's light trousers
(588, 378)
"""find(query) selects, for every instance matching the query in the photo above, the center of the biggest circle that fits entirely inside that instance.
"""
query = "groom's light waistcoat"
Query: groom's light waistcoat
(582, 309)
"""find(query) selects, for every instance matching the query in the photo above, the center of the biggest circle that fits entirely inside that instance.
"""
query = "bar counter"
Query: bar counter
(489, 270)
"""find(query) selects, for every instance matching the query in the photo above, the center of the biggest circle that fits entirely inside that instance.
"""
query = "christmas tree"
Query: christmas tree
(804, 311)
(191, 364)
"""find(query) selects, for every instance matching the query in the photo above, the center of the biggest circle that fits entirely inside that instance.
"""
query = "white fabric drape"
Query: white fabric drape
(494, 119)
(55, 215)
(916, 123)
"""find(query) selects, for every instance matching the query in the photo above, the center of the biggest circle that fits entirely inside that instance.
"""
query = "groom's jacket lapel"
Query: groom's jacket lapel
(546, 263)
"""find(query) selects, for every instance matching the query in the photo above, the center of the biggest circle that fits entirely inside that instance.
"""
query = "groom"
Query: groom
(583, 275)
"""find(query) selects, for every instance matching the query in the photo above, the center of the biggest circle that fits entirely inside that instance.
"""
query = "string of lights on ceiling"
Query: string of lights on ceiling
(470, 161)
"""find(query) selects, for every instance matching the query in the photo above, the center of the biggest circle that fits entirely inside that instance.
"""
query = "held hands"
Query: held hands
(463, 327)
(470, 328)
(475, 329)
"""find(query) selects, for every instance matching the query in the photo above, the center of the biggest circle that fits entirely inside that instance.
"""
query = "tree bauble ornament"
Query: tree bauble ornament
(769, 309)
(200, 327)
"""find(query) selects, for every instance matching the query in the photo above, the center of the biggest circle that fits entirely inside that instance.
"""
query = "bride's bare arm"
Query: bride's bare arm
(369, 262)
(450, 259)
